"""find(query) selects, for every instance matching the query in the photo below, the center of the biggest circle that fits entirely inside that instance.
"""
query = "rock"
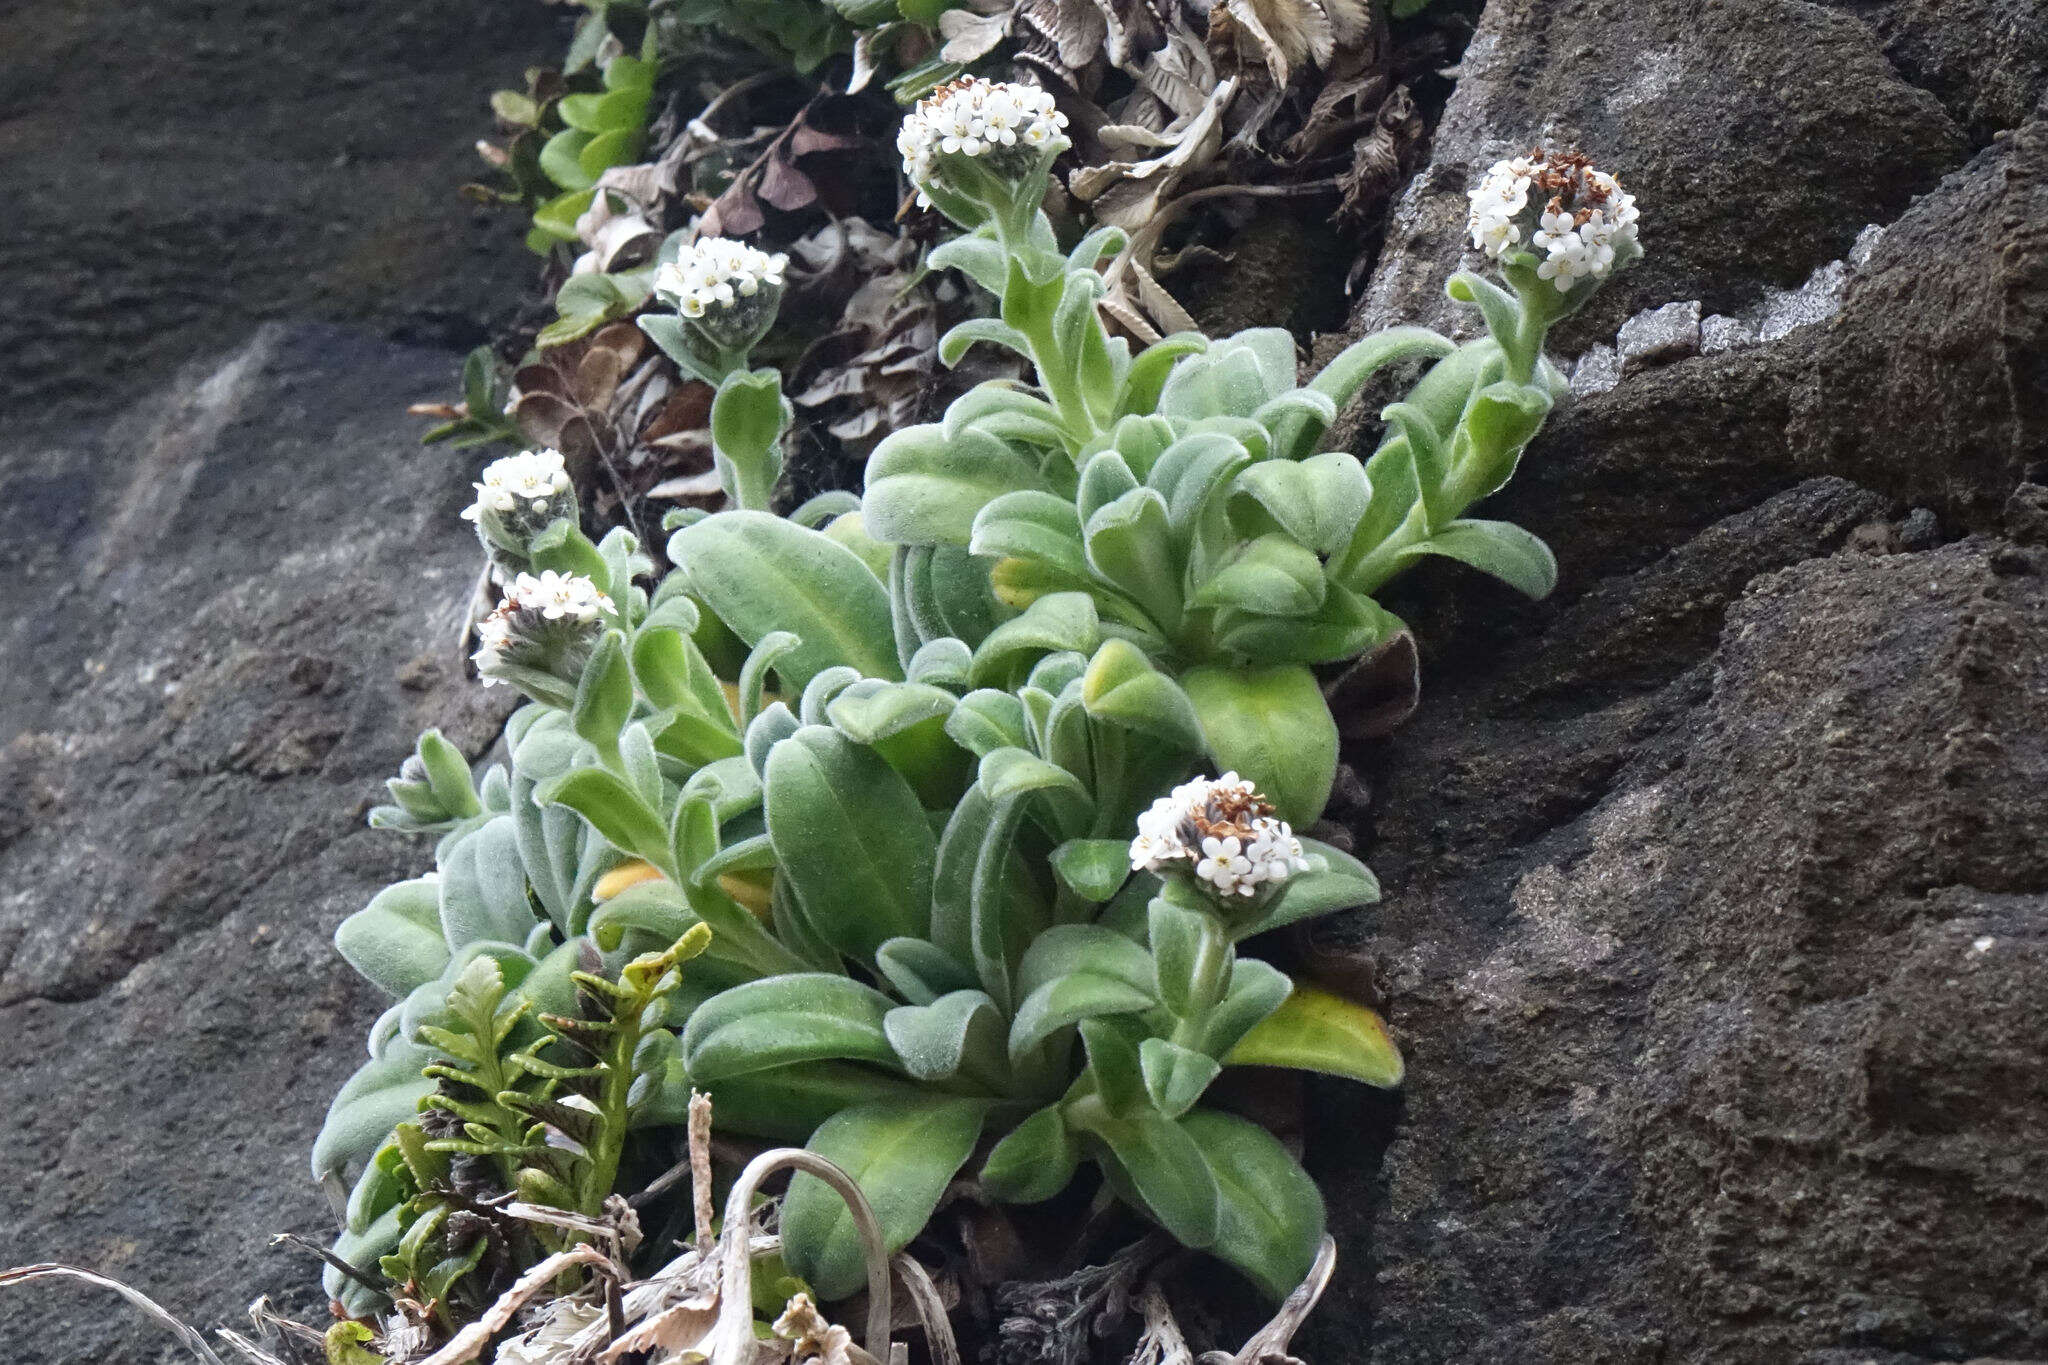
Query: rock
(183, 171)
(1932, 384)
(1659, 335)
(1714, 932)
(1715, 925)
(1598, 370)
(1750, 172)
(1719, 332)
(214, 604)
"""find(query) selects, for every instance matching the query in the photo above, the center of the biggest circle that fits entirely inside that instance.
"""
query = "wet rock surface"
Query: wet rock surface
(1716, 915)
(232, 610)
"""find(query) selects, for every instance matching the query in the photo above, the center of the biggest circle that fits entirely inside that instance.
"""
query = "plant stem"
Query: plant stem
(1214, 957)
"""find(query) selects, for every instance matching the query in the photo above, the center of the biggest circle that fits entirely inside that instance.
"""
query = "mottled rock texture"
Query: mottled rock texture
(1716, 916)
(228, 615)
(181, 170)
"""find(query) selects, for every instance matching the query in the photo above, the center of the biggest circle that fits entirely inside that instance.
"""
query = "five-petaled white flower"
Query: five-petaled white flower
(542, 615)
(1578, 221)
(973, 117)
(1223, 831)
(532, 477)
(715, 272)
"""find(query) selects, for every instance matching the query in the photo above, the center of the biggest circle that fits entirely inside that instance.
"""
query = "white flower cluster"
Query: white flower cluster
(978, 118)
(1225, 829)
(1578, 220)
(530, 603)
(532, 477)
(715, 273)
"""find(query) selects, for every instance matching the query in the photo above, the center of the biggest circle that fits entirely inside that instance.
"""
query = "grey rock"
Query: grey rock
(1785, 311)
(1719, 332)
(1865, 244)
(183, 171)
(230, 613)
(1659, 335)
(1750, 172)
(1932, 383)
(1921, 530)
(1669, 924)
(1598, 370)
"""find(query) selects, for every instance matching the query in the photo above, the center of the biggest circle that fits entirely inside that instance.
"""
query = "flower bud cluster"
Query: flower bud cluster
(718, 274)
(1578, 222)
(1224, 830)
(519, 496)
(1010, 128)
(547, 622)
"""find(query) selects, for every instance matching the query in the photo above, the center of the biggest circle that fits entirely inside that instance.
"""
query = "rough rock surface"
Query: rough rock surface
(181, 171)
(230, 612)
(1716, 916)
(1761, 135)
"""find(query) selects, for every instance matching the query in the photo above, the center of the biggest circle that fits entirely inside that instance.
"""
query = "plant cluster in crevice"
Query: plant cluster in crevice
(889, 825)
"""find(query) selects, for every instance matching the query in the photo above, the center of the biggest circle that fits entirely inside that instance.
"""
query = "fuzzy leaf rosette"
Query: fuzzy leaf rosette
(1555, 224)
(542, 634)
(979, 150)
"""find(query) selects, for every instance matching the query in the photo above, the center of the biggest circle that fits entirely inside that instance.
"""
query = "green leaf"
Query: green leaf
(395, 941)
(920, 970)
(1314, 1030)
(1034, 1161)
(1054, 623)
(1122, 687)
(874, 711)
(1346, 374)
(1272, 726)
(761, 574)
(1177, 936)
(1500, 548)
(1318, 501)
(1271, 1215)
(923, 489)
(960, 1033)
(1162, 1166)
(1130, 544)
(1029, 524)
(1175, 1077)
(902, 1155)
(746, 422)
(560, 160)
(1092, 869)
(987, 720)
(1345, 626)
(383, 1093)
(851, 838)
(1150, 368)
(1271, 576)
(1068, 948)
(448, 776)
(1256, 990)
(953, 345)
(1338, 881)
(614, 810)
(604, 696)
(1067, 1000)
(783, 1020)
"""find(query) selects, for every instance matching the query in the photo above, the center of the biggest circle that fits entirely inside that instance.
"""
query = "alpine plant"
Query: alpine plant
(938, 773)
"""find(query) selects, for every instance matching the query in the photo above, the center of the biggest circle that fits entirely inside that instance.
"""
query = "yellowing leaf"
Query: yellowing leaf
(623, 876)
(1314, 1030)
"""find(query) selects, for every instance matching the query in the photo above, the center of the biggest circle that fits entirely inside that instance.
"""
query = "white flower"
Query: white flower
(713, 273)
(973, 117)
(1578, 221)
(532, 477)
(1224, 831)
(543, 620)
